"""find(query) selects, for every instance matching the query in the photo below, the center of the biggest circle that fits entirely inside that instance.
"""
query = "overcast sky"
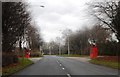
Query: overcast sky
(59, 15)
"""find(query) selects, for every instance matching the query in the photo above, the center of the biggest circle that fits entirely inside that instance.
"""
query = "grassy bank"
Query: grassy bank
(111, 64)
(10, 69)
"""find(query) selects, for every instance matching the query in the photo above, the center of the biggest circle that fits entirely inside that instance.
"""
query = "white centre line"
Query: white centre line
(63, 68)
(58, 61)
(68, 75)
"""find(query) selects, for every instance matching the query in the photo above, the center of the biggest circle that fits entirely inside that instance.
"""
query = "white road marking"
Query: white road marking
(63, 68)
(58, 61)
(68, 75)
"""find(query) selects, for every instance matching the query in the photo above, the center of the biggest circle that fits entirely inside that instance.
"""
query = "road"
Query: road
(54, 65)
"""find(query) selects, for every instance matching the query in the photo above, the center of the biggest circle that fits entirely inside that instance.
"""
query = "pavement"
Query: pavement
(35, 59)
(56, 65)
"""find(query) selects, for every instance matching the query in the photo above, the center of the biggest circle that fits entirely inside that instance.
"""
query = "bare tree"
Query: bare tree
(108, 14)
(33, 37)
(79, 41)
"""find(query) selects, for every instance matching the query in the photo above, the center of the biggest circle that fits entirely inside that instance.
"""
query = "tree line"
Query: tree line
(16, 27)
(105, 34)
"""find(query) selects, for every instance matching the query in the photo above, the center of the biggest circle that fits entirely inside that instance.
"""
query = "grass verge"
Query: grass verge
(11, 69)
(111, 64)
(73, 55)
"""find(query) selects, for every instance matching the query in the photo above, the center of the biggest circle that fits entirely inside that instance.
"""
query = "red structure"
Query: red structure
(93, 52)
(27, 53)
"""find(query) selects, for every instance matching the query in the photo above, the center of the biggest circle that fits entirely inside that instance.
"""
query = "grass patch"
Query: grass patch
(71, 55)
(87, 56)
(9, 70)
(36, 57)
(111, 64)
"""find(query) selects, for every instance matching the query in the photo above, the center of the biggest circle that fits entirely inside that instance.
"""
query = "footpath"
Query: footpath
(35, 59)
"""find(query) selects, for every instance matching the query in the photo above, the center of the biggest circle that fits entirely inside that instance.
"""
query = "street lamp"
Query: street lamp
(68, 41)
(67, 33)
(59, 49)
(49, 50)
(68, 46)
(59, 45)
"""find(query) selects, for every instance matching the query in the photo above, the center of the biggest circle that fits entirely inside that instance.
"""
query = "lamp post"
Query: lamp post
(68, 41)
(59, 45)
(68, 46)
(49, 50)
(67, 33)
(80, 47)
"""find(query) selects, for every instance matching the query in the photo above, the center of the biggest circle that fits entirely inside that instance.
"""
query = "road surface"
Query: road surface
(54, 65)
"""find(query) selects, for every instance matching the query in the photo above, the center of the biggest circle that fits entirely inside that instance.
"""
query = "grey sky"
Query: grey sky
(58, 15)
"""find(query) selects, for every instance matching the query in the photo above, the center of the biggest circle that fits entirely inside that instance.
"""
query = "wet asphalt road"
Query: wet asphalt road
(54, 65)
